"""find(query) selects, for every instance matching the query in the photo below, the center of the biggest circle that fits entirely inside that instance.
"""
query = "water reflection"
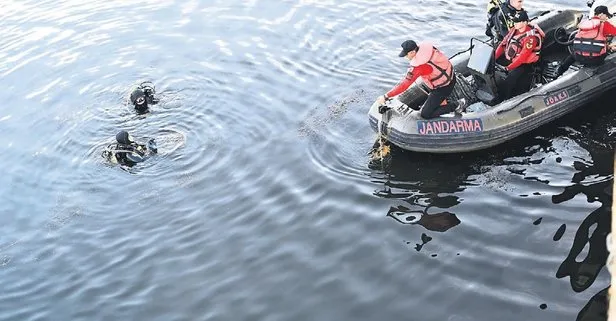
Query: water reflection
(596, 308)
(438, 222)
(412, 179)
(430, 188)
(594, 179)
(429, 184)
(592, 233)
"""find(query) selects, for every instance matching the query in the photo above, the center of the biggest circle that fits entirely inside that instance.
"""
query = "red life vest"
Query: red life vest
(514, 44)
(590, 40)
(442, 69)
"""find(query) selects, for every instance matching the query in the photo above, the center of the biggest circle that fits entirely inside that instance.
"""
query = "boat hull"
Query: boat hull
(493, 125)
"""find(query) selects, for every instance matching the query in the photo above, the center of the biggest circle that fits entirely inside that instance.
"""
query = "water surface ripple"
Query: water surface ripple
(262, 204)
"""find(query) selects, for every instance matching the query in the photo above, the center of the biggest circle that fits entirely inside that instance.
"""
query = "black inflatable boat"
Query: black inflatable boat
(485, 124)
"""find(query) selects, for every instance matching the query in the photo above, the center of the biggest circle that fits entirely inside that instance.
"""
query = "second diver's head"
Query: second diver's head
(409, 49)
(520, 20)
(138, 99)
(516, 4)
(124, 138)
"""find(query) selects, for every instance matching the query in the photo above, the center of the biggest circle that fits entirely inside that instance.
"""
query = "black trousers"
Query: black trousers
(586, 61)
(517, 82)
(432, 107)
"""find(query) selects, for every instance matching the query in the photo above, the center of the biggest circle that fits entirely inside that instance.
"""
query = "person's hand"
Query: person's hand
(381, 100)
(500, 68)
(612, 47)
(383, 109)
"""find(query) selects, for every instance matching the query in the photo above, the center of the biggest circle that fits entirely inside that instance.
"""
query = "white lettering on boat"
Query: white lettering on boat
(556, 98)
(430, 127)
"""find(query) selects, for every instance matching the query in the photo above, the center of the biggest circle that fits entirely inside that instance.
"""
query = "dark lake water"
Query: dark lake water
(268, 209)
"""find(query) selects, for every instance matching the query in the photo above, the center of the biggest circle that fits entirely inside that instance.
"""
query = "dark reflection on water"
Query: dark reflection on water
(588, 253)
(439, 222)
(425, 182)
(592, 234)
(596, 308)
(559, 233)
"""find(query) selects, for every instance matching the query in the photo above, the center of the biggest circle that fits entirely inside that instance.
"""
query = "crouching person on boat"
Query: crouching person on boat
(437, 73)
(521, 48)
(590, 46)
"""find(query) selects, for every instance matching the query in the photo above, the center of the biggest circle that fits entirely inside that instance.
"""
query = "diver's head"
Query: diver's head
(516, 4)
(138, 99)
(409, 49)
(124, 138)
(520, 20)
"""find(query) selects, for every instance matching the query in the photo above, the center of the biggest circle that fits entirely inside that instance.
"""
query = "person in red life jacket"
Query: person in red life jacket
(521, 48)
(590, 43)
(436, 71)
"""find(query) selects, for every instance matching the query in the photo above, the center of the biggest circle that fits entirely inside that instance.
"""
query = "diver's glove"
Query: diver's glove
(152, 146)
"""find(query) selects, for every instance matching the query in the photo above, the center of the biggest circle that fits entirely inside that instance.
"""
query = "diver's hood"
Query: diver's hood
(123, 137)
(136, 94)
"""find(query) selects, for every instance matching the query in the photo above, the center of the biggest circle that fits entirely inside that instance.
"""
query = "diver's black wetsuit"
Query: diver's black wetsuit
(127, 155)
(127, 152)
(500, 19)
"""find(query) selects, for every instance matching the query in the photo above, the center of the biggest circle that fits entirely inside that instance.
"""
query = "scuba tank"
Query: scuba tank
(492, 5)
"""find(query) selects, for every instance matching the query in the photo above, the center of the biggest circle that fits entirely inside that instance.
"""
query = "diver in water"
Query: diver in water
(143, 96)
(127, 152)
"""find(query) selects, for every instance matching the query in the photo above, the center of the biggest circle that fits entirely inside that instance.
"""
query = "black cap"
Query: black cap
(123, 138)
(407, 47)
(520, 16)
(603, 9)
